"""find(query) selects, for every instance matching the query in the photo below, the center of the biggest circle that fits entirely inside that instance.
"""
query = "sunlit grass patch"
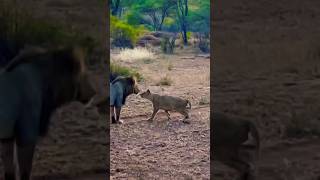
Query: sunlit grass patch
(136, 54)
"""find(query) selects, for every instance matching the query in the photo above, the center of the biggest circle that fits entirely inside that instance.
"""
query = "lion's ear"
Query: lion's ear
(148, 91)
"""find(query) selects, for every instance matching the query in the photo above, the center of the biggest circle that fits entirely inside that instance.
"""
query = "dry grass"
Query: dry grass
(204, 100)
(135, 55)
(165, 81)
(170, 66)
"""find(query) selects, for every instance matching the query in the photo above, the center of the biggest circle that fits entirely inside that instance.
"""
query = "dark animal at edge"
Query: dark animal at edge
(120, 88)
(31, 89)
(236, 143)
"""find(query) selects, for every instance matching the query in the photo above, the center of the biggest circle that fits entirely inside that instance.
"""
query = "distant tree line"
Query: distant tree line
(166, 15)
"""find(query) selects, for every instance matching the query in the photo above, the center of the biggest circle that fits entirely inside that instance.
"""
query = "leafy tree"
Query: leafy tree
(200, 17)
(115, 6)
(124, 34)
(155, 12)
(182, 13)
(166, 15)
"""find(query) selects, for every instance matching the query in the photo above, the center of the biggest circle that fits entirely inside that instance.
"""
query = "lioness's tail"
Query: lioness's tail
(188, 103)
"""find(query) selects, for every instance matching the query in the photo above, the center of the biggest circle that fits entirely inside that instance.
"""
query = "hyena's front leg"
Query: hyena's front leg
(155, 110)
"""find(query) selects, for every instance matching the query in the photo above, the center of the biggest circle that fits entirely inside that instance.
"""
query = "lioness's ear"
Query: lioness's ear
(148, 91)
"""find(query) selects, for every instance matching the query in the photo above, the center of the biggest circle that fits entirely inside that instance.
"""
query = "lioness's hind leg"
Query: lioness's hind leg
(186, 116)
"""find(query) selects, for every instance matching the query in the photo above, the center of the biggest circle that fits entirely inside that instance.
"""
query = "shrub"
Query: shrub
(204, 44)
(124, 71)
(165, 81)
(170, 66)
(168, 45)
(123, 34)
(204, 101)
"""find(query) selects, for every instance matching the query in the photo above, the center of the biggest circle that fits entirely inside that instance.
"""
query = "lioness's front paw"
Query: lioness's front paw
(186, 121)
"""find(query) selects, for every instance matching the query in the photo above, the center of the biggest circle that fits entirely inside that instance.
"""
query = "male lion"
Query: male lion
(120, 89)
(32, 87)
(236, 143)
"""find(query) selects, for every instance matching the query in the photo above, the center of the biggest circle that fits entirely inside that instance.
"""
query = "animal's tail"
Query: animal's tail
(188, 103)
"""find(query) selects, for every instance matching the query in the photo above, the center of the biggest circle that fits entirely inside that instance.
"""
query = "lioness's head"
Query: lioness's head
(146, 94)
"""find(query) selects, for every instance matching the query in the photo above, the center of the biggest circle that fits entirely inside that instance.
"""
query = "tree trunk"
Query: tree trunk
(115, 8)
(184, 36)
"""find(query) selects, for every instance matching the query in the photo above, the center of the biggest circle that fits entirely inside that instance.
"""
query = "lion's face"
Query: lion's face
(136, 89)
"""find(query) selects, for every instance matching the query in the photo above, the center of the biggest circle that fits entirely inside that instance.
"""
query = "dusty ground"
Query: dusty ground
(165, 149)
(266, 69)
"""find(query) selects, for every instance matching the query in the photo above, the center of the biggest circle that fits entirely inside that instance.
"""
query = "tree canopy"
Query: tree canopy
(181, 16)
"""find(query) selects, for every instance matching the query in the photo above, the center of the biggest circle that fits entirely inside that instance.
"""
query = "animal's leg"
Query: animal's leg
(25, 156)
(118, 111)
(113, 119)
(186, 116)
(155, 110)
(8, 158)
(168, 114)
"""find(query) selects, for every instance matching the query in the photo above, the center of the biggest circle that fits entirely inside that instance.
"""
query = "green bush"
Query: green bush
(123, 34)
(168, 45)
(124, 71)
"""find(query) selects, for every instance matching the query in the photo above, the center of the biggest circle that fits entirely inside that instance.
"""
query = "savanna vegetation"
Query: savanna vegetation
(158, 26)
(164, 21)
(165, 44)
